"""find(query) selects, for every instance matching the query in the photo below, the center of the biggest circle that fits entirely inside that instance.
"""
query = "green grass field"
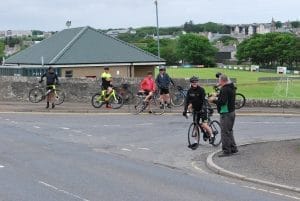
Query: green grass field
(247, 82)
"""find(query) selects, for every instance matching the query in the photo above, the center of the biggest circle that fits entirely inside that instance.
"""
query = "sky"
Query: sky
(51, 15)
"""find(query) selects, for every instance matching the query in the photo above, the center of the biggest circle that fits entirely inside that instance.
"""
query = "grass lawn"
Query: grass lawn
(247, 82)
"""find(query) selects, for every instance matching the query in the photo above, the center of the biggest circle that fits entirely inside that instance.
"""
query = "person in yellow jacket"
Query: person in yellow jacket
(106, 84)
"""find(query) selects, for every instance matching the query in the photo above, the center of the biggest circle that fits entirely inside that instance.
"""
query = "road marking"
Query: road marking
(36, 127)
(272, 192)
(197, 168)
(144, 124)
(65, 128)
(144, 148)
(1, 166)
(111, 125)
(124, 149)
(62, 191)
(89, 135)
(267, 122)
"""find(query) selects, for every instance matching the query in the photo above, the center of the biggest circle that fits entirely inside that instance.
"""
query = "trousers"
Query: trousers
(227, 138)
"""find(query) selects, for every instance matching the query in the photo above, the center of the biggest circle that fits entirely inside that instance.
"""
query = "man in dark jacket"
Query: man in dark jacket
(163, 82)
(226, 107)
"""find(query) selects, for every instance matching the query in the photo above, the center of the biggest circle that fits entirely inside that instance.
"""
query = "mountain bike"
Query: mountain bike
(113, 99)
(154, 105)
(39, 93)
(195, 130)
(240, 99)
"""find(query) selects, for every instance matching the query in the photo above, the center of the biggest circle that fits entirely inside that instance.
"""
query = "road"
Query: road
(123, 157)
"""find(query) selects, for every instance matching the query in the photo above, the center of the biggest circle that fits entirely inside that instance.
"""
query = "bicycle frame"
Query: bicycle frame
(103, 94)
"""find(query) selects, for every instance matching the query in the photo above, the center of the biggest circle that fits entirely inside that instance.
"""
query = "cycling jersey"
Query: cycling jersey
(51, 78)
(147, 84)
(106, 80)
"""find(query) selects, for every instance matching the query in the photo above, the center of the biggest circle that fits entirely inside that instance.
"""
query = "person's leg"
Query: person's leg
(225, 133)
(233, 146)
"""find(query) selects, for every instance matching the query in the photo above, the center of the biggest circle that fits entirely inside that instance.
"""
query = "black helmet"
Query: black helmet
(218, 74)
(194, 79)
(162, 68)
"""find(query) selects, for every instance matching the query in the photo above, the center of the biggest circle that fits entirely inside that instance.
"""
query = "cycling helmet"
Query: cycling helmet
(218, 74)
(194, 79)
(162, 68)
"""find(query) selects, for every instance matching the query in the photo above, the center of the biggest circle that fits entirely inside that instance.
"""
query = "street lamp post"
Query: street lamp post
(157, 29)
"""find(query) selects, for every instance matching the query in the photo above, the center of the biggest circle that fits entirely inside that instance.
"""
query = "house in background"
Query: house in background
(81, 52)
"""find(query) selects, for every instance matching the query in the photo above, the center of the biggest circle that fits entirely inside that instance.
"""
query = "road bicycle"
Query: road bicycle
(39, 93)
(178, 96)
(195, 129)
(154, 105)
(240, 99)
(127, 95)
(113, 99)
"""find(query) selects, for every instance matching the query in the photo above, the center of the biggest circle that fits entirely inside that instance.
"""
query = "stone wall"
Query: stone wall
(81, 89)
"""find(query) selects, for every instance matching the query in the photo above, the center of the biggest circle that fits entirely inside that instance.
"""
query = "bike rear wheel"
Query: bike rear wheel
(156, 107)
(59, 97)
(193, 135)
(240, 100)
(216, 129)
(97, 100)
(116, 101)
(177, 98)
(139, 106)
(36, 95)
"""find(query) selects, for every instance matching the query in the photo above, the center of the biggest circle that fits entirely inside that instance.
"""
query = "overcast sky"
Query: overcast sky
(51, 15)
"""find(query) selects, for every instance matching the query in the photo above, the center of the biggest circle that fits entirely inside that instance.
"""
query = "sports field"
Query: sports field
(247, 82)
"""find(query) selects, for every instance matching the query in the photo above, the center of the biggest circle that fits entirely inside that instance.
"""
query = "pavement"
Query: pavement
(274, 164)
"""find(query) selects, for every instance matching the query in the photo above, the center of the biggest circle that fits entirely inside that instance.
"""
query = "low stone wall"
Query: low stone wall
(81, 89)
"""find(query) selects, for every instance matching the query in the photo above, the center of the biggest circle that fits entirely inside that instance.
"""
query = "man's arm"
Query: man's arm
(44, 75)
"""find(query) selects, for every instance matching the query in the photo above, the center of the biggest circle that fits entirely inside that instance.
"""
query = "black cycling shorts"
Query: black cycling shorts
(202, 116)
(105, 86)
(164, 91)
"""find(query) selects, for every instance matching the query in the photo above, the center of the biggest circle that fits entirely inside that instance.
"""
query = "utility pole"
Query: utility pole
(157, 29)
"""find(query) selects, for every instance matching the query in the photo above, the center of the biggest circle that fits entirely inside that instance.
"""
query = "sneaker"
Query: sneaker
(53, 105)
(161, 106)
(193, 146)
(169, 105)
(211, 140)
(150, 112)
(235, 151)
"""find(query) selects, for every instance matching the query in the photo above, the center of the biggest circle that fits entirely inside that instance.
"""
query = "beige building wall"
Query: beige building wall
(115, 71)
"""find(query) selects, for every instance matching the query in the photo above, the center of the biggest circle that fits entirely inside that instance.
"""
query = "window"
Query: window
(69, 73)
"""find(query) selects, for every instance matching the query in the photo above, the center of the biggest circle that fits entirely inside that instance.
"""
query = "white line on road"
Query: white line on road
(36, 127)
(197, 168)
(144, 124)
(272, 192)
(268, 122)
(1, 166)
(144, 148)
(124, 149)
(112, 125)
(63, 191)
(65, 128)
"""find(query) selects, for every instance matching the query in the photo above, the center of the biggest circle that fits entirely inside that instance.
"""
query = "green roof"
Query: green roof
(83, 45)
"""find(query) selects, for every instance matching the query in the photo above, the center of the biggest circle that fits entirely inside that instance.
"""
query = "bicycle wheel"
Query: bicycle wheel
(216, 129)
(177, 98)
(193, 135)
(240, 100)
(128, 97)
(139, 106)
(156, 107)
(117, 102)
(97, 101)
(36, 95)
(60, 97)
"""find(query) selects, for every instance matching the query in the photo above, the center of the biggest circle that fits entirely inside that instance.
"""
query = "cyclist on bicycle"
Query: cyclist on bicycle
(51, 80)
(106, 84)
(194, 102)
(147, 86)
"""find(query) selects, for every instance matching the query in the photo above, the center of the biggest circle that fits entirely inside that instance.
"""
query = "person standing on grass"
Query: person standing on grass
(226, 107)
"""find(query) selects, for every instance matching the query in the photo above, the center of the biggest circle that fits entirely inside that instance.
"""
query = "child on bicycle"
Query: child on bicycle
(147, 86)
(194, 102)
(106, 83)
(51, 80)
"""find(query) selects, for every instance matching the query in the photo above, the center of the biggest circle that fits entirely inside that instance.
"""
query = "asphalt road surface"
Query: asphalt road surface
(54, 157)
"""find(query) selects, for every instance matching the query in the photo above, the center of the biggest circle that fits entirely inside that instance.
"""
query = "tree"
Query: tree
(269, 49)
(2, 48)
(196, 49)
(228, 40)
(295, 24)
(168, 51)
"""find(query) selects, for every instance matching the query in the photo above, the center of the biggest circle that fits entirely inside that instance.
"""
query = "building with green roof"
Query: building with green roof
(82, 52)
